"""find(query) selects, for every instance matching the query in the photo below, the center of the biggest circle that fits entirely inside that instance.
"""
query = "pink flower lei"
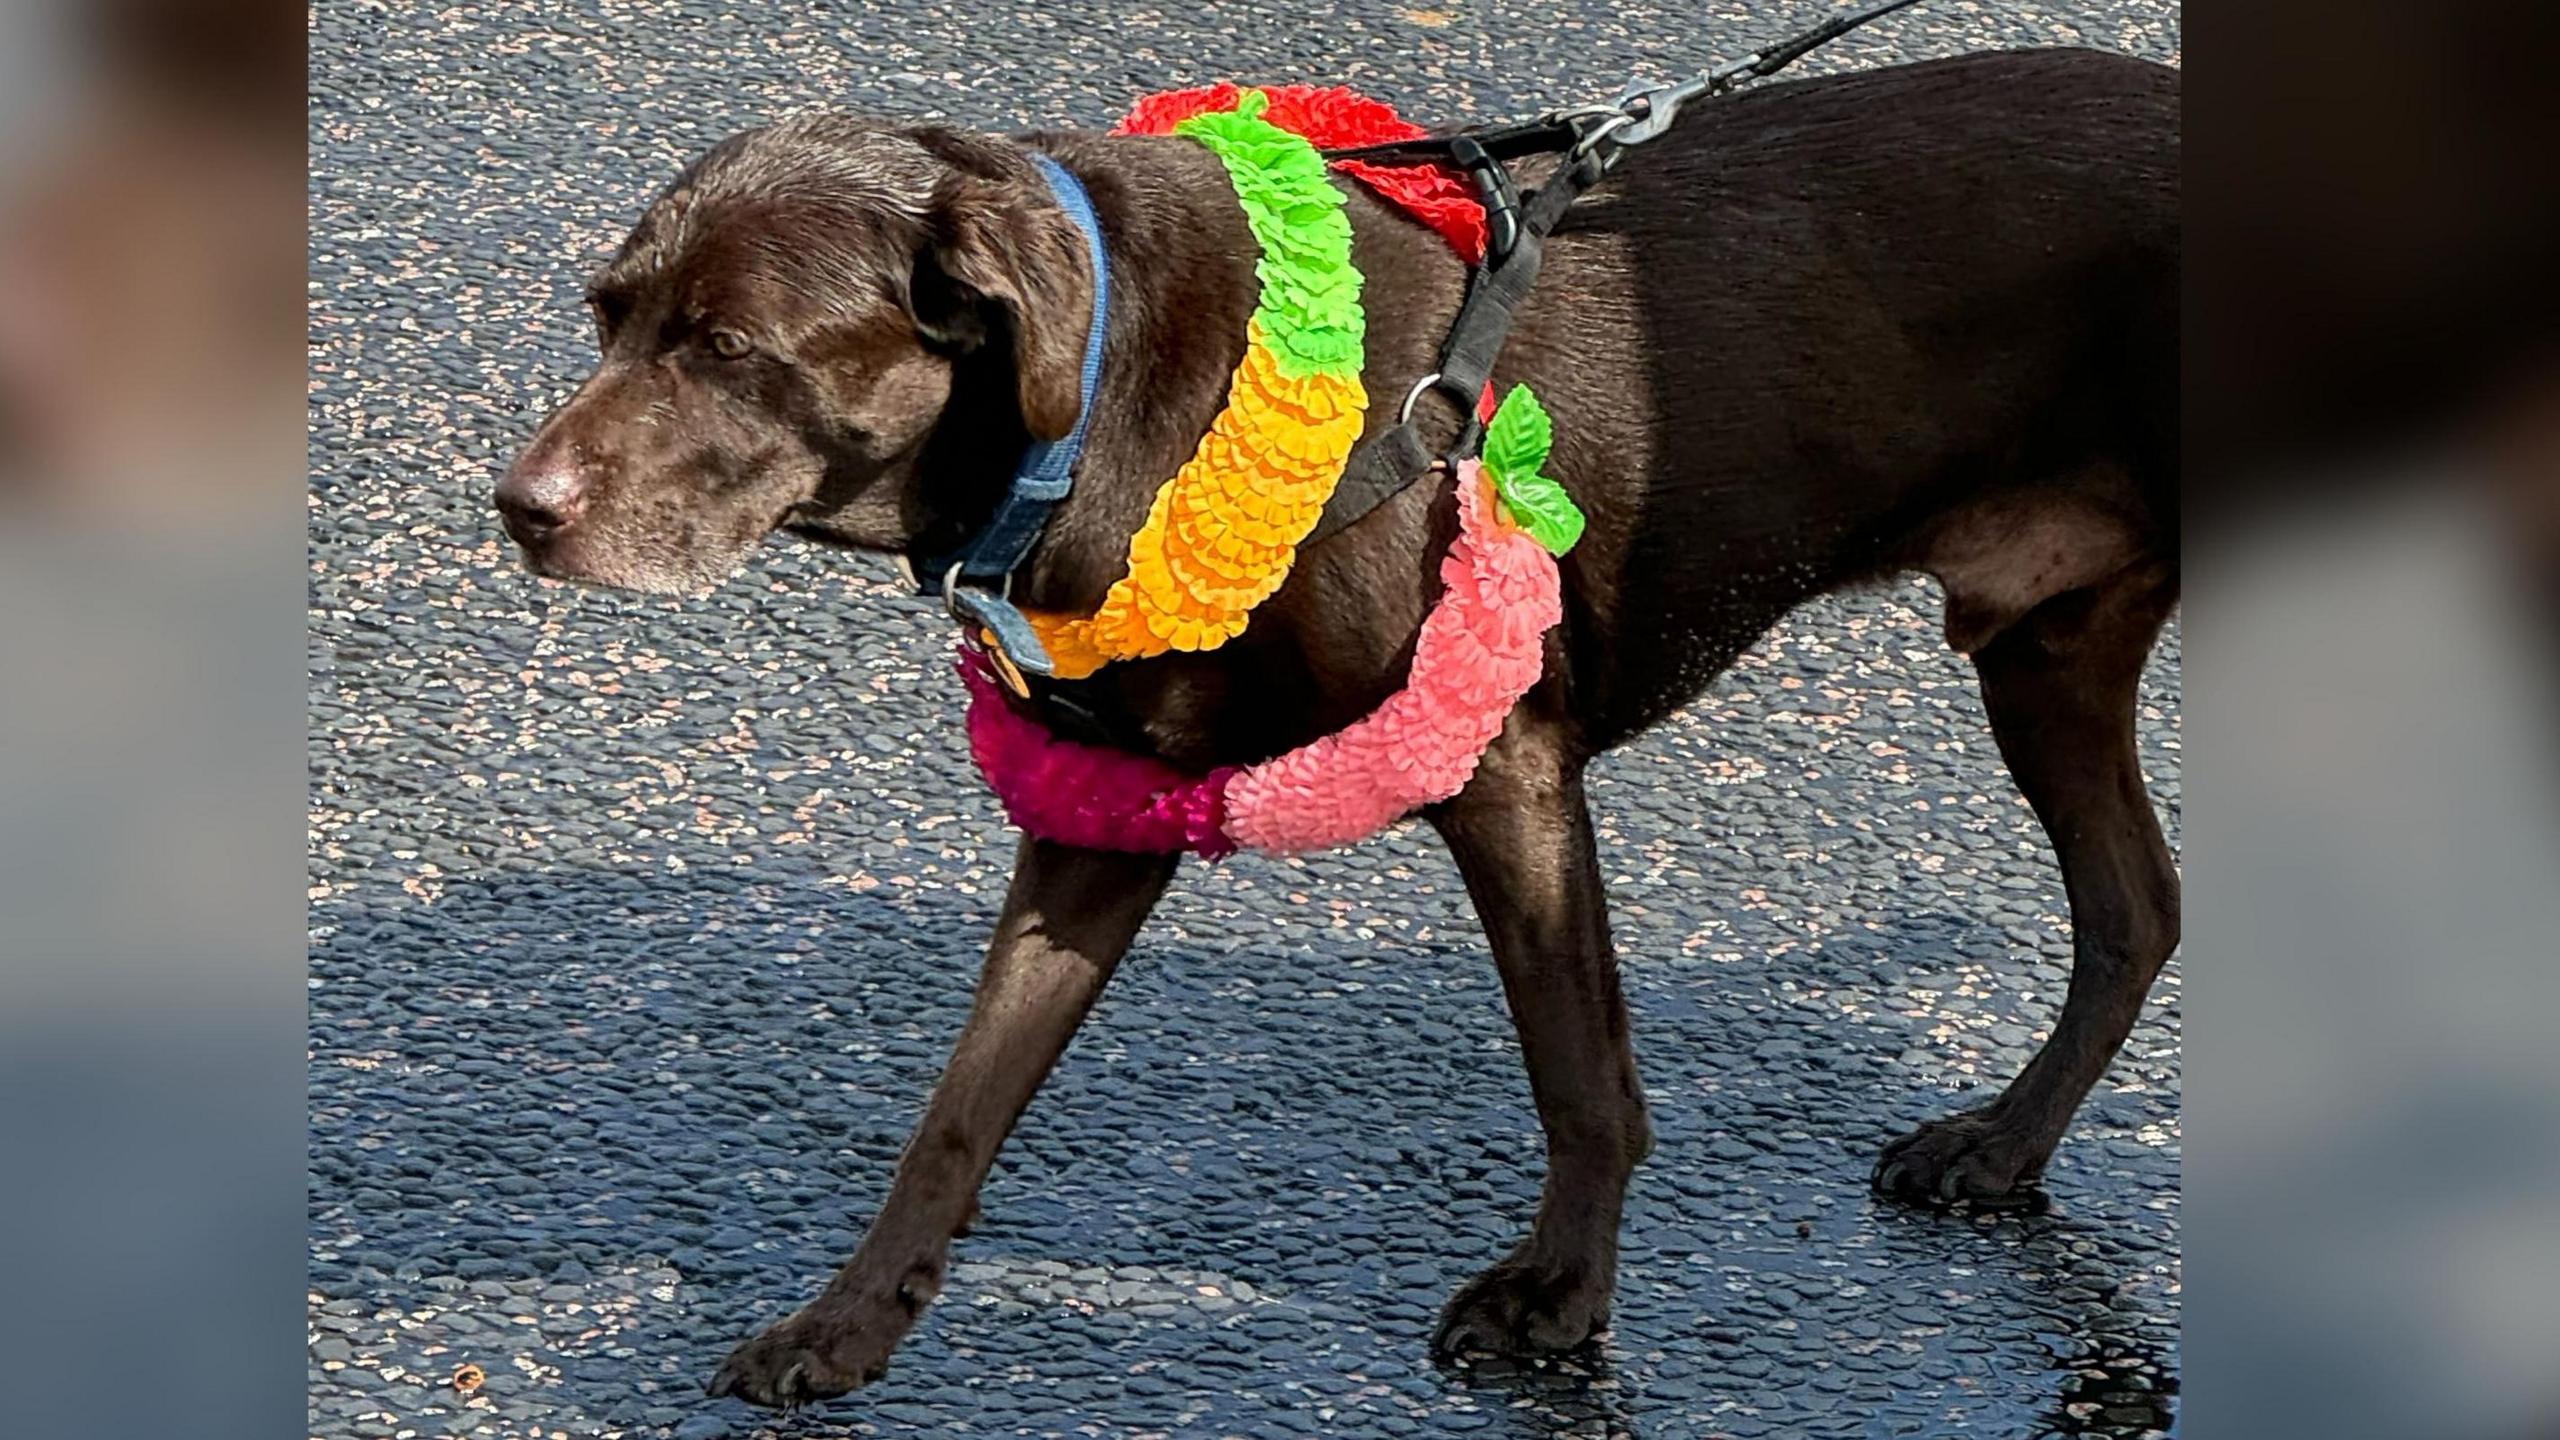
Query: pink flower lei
(1481, 648)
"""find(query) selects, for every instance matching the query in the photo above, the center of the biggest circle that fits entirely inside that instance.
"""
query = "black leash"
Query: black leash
(1639, 113)
(1592, 139)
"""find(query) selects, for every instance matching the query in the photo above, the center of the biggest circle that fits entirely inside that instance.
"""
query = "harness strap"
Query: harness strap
(1388, 462)
(1504, 142)
(1378, 471)
(1592, 139)
(1043, 478)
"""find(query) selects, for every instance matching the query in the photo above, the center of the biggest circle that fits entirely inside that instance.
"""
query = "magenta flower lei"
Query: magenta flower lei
(1087, 795)
(1481, 648)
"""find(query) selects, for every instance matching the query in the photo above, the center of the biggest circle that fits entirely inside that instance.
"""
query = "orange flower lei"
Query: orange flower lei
(1223, 532)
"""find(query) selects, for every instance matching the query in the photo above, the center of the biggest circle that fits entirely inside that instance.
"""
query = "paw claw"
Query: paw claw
(1517, 1309)
(1971, 1157)
(833, 1347)
(1951, 1184)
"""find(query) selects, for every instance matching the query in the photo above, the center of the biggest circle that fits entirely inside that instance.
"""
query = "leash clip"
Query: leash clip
(1645, 111)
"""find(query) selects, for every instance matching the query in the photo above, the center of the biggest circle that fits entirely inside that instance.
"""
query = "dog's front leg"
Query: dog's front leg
(1068, 918)
(1522, 838)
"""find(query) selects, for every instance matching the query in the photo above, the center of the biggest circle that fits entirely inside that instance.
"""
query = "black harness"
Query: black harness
(1516, 230)
(1590, 141)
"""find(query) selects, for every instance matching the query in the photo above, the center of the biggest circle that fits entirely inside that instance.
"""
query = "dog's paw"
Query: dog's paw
(835, 1346)
(1970, 1157)
(1521, 1308)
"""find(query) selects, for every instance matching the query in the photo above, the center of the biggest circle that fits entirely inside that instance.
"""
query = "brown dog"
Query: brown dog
(1922, 318)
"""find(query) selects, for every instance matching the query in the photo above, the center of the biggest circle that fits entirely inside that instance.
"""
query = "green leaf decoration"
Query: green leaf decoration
(1518, 437)
(1516, 443)
(1544, 510)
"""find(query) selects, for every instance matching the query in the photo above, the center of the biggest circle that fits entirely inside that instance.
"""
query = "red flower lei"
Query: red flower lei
(1335, 118)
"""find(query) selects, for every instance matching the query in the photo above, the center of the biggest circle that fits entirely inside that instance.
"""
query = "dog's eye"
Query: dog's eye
(729, 345)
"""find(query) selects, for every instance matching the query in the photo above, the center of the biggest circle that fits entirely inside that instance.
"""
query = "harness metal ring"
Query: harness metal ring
(1602, 131)
(1405, 412)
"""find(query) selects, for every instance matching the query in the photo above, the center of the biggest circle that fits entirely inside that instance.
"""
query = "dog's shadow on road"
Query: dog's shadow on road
(2105, 1377)
(2111, 1366)
(585, 1061)
(1571, 1395)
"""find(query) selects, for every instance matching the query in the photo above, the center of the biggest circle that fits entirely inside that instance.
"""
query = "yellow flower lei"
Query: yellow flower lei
(1223, 532)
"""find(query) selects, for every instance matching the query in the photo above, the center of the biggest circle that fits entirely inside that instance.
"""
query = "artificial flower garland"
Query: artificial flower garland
(1334, 117)
(1481, 648)
(1223, 532)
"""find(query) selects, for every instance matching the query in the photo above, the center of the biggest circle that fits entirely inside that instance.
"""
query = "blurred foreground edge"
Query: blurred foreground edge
(2372, 1206)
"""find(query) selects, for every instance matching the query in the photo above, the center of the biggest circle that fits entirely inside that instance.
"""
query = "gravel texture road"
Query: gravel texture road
(639, 927)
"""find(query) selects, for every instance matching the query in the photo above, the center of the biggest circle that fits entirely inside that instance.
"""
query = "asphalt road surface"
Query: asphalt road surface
(639, 927)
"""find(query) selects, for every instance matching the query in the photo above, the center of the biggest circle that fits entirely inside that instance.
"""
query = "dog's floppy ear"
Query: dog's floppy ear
(1001, 250)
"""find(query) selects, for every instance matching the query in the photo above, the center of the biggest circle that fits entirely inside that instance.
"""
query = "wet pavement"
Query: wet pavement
(639, 927)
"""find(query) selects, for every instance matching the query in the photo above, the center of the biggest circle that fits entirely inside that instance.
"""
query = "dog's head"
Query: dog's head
(841, 328)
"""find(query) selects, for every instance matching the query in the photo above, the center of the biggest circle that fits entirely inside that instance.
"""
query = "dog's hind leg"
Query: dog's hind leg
(1522, 838)
(2060, 685)
(1068, 918)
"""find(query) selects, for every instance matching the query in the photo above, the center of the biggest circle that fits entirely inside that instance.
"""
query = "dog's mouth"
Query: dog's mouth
(689, 578)
(650, 563)
(817, 532)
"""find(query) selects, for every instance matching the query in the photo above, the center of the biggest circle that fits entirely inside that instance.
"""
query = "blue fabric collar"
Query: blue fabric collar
(1042, 479)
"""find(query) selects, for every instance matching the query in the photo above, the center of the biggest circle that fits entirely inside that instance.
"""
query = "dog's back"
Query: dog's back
(1915, 318)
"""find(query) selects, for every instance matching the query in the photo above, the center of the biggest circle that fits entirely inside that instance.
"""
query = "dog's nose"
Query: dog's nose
(541, 497)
